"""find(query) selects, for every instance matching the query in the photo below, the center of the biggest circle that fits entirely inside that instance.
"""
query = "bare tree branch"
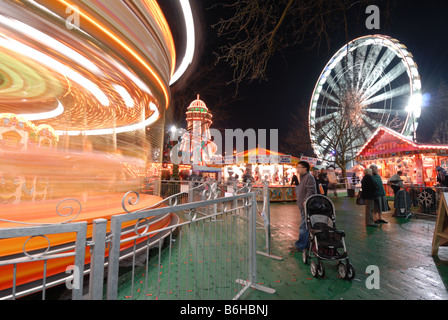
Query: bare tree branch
(257, 29)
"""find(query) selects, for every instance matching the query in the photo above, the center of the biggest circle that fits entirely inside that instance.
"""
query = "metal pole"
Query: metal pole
(97, 259)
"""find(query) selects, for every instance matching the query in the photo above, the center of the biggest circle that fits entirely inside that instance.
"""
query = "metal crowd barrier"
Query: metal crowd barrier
(43, 257)
(209, 254)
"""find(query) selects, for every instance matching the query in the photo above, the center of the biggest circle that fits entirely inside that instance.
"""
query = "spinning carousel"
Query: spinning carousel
(83, 91)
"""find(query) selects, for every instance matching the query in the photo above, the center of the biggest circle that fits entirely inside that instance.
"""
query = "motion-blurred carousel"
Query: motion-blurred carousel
(83, 91)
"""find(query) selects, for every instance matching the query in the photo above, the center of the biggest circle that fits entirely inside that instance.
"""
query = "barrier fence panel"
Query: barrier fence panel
(44, 258)
(209, 253)
(207, 256)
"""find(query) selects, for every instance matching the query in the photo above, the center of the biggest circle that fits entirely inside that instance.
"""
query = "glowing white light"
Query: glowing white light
(139, 83)
(189, 51)
(132, 127)
(125, 95)
(45, 115)
(414, 105)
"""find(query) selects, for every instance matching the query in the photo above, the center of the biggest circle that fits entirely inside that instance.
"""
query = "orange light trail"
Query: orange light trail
(126, 47)
(157, 13)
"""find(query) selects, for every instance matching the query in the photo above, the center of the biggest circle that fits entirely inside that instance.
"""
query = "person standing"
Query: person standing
(332, 180)
(323, 180)
(380, 202)
(369, 194)
(306, 188)
(395, 182)
(316, 178)
(294, 180)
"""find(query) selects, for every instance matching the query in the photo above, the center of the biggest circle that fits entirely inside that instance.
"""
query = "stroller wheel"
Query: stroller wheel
(350, 271)
(321, 269)
(313, 267)
(305, 256)
(317, 269)
(342, 269)
(346, 271)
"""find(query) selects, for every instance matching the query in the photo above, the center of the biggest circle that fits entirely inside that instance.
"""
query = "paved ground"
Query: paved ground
(400, 249)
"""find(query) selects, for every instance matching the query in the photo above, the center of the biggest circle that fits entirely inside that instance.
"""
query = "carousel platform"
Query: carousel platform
(279, 193)
(60, 211)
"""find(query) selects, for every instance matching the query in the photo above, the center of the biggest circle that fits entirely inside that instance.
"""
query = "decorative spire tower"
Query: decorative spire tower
(199, 120)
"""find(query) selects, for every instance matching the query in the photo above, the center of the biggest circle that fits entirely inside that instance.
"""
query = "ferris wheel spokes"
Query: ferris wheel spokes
(373, 78)
(393, 74)
(404, 89)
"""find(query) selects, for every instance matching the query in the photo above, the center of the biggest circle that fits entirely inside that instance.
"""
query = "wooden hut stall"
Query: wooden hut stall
(393, 152)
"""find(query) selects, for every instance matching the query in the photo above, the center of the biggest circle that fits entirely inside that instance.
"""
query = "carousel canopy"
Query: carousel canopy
(386, 143)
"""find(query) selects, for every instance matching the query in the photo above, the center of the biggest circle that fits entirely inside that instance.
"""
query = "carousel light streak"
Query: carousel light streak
(102, 94)
(150, 120)
(128, 49)
(136, 80)
(154, 9)
(129, 102)
(51, 63)
(50, 42)
(189, 51)
(44, 115)
(103, 82)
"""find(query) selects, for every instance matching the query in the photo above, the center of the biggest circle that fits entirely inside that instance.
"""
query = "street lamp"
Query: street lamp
(414, 107)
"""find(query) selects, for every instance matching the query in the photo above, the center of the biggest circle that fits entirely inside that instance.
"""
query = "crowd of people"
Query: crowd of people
(373, 193)
(325, 179)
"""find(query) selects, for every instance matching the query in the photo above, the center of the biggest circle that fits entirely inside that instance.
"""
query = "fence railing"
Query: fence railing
(41, 259)
(207, 252)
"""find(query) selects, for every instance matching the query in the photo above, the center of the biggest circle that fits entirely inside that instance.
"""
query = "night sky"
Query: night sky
(292, 75)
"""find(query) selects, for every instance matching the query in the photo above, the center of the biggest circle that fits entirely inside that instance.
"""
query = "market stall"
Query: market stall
(393, 152)
(260, 164)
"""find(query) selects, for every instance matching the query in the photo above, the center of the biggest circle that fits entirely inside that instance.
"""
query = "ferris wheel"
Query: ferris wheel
(374, 79)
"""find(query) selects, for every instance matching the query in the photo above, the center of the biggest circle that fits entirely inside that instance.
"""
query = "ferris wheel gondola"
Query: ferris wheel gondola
(373, 78)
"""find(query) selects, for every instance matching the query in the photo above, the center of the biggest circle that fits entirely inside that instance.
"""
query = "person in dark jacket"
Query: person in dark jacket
(306, 188)
(323, 180)
(294, 180)
(369, 194)
(381, 204)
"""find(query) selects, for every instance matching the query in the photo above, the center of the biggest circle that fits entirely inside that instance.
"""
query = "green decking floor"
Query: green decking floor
(399, 250)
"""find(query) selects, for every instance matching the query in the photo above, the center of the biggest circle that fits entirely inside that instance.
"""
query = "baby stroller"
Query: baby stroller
(325, 241)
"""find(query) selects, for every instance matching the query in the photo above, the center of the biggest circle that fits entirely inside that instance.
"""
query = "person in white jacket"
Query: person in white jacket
(395, 182)
(332, 180)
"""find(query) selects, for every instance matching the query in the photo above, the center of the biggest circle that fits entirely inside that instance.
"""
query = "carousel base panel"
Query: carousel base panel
(29, 274)
(279, 193)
